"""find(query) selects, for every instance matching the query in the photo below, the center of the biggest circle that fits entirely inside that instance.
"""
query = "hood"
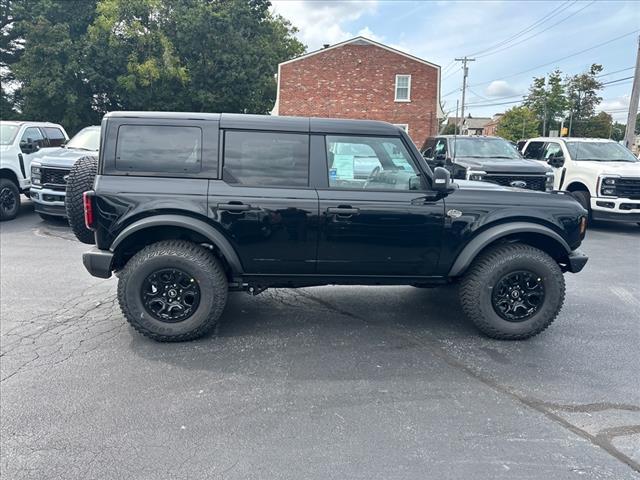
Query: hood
(60, 157)
(503, 165)
(5, 148)
(615, 168)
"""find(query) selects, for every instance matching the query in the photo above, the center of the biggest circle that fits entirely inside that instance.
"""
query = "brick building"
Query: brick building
(363, 79)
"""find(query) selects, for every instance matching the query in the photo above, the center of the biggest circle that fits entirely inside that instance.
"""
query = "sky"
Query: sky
(512, 41)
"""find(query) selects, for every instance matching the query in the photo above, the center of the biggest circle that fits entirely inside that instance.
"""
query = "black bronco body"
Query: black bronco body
(187, 206)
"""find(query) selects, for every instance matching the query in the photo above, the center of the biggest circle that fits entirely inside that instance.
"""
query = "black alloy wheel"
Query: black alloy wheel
(170, 295)
(518, 296)
(9, 199)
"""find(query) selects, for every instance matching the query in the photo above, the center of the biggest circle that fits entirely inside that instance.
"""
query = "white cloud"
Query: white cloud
(500, 88)
(616, 107)
(321, 22)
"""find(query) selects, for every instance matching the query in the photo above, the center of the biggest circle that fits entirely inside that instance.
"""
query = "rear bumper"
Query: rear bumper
(576, 261)
(98, 262)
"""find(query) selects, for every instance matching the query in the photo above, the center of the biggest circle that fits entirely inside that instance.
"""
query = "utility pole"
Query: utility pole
(633, 103)
(465, 72)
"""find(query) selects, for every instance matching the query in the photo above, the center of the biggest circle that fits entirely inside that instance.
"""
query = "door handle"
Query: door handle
(343, 210)
(234, 207)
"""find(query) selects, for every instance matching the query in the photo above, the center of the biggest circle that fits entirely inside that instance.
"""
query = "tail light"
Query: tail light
(87, 201)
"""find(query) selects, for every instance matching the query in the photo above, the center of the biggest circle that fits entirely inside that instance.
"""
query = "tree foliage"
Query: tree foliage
(73, 64)
(518, 123)
(582, 94)
(547, 99)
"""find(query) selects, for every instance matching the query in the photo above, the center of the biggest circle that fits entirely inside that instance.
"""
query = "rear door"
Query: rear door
(264, 203)
(385, 224)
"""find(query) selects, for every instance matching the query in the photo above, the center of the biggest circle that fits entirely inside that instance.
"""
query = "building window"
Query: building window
(403, 88)
(403, 126)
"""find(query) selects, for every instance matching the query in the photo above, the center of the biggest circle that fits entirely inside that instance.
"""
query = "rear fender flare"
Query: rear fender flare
(189, 223)
(480, 241)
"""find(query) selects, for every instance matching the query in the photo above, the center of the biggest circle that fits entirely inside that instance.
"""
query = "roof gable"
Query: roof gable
(362, 41)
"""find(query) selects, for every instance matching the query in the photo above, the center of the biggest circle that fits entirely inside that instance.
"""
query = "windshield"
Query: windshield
(600, 152)
(86, 139)
(8, 133)
(484, 148)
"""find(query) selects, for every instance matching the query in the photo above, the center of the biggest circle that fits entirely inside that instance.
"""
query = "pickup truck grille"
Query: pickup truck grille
(533, 182)
(628, 188)
(53, 178)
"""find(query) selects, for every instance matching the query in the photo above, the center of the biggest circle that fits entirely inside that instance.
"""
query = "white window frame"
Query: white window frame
(408, 99)
(404, 126)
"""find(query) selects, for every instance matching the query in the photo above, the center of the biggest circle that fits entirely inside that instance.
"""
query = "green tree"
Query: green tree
(583, 98)
(547, 99)
(449, 129)
(518, 123)
(596, 126)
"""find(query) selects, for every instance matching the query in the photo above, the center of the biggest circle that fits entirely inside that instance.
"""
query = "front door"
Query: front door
(376, 217)
(264, 203)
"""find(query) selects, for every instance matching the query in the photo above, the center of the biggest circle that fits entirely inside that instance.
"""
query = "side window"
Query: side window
(266, 159)
(55, 136)
(534, 150)
(159, 148)
(31, 134)
(403, 88)
(440, 149)
(552, 149)
(376, 163)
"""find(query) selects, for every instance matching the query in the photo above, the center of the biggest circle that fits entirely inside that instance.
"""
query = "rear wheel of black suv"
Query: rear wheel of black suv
(81, 178)
(173, 291)
(512, 292)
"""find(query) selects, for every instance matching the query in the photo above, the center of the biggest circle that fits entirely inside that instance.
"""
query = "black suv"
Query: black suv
(188, 206)
(489, 159)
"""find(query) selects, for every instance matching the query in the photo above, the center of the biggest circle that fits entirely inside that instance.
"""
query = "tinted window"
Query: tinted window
(441, 147)
(55, 135)
(159, 148)
(266, 159)
(552, 150)
(369, 163)
(32, 134)
(534, 150)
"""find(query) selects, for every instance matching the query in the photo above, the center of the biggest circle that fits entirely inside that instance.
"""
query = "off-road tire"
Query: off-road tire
(9, 189)
(81, 178)
(584, 198)
(189, 257)
(479, 281)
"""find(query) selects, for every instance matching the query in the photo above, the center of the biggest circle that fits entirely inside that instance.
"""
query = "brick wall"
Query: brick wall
(358, 81)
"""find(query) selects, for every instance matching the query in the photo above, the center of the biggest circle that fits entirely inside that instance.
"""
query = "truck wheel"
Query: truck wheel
(80, 180)
(512, 292)
(172, 291)
(584, 198)
(9, 199)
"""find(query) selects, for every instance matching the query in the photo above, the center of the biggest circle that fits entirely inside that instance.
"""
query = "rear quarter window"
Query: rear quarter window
(159, 148)
(55, 136)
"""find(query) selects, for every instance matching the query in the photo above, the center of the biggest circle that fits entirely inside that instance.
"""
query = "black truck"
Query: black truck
(488, 159)
(186, 207)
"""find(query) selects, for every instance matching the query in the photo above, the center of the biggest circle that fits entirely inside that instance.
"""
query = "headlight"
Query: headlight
(35, 170)
(475, 175)
(608, 186)
(548, 185)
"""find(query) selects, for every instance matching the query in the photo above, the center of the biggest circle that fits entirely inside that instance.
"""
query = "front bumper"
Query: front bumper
(98, 262)
(615, 209)
(576, 261)
(50, 202)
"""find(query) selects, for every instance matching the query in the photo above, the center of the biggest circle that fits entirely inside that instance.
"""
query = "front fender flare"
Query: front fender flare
(189, 223)
(480, 241)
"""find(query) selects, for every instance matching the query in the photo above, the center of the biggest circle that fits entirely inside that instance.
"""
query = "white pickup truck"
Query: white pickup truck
(19, 144)
(603, 175)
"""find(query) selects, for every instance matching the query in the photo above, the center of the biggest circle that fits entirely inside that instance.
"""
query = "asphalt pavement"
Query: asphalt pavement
(315, 383)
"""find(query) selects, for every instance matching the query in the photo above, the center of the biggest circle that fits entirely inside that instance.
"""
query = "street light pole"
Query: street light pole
(465, 73)
(633, 103)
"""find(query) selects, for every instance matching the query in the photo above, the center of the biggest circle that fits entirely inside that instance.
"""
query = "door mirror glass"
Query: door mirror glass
(556, 160)
(442, 180)
(415, 183)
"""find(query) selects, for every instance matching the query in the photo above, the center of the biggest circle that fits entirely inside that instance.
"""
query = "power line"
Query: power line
(560, 59)
(558, 9)
(537, 33)
(616, 71)
(616, 81)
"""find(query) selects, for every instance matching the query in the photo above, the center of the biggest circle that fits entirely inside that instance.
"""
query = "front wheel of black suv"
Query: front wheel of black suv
(512, 291)
(173, 291)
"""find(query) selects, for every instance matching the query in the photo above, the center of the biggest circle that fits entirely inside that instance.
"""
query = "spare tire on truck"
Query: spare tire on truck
(80, 180)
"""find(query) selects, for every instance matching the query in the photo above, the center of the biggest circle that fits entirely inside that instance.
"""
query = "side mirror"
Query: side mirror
(556, 161)
(442, 180)
(28, 146)
(427, 153)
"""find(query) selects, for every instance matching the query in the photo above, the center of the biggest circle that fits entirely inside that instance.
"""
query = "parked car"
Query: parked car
(19, 143)
(489, 159)
(50, 169)
(603, 175)
(187, 206)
